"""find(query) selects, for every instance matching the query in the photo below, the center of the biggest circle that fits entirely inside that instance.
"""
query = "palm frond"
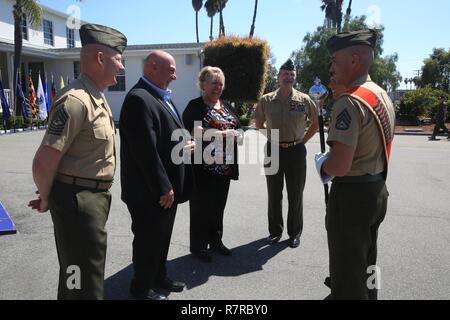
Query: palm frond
(33, 11)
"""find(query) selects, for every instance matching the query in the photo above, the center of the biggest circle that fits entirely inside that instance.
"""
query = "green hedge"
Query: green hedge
(420, 103)
(18, 122)
(13, 122)
(244, 62)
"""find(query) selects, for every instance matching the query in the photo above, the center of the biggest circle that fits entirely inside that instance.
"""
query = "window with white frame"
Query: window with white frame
(70, 35)
(48, 32)
(24, 28)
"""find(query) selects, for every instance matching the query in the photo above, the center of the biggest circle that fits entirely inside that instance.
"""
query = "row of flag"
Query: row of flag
(38, 103)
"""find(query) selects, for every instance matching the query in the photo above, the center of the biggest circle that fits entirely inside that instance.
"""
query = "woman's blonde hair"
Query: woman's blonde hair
(208, 73)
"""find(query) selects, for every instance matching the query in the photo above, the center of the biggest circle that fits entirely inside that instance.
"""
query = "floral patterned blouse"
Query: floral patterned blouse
(219, 119)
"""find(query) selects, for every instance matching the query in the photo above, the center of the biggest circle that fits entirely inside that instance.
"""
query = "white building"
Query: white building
(53, 50)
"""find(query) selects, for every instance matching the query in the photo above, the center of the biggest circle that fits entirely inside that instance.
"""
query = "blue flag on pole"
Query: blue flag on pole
(21, 101)
(5, 104)
(47, 95)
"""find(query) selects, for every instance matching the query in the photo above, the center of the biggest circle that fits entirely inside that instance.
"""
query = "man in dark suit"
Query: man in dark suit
(152, 183)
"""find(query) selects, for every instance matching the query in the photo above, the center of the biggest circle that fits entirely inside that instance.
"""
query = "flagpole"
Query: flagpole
(15, 92)
(47, 97)
(318, 92)
(15, 75)
(3, 116)
(31, 106)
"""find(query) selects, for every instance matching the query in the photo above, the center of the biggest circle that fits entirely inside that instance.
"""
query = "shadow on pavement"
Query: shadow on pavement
(245, 259)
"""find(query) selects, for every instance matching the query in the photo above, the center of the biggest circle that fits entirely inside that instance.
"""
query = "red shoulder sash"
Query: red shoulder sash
(374, 105)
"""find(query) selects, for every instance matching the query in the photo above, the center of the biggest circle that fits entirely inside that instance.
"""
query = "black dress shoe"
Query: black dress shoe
(294, 242)
(202, 255)
(221, 249)
(328, 297)
(150, 295)
(327, 282)
(273, 239)
(172, 286)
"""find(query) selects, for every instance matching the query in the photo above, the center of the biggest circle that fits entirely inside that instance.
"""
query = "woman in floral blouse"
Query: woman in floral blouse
(214, 126)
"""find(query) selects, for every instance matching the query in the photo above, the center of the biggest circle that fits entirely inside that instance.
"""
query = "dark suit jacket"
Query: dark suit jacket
(147, 171)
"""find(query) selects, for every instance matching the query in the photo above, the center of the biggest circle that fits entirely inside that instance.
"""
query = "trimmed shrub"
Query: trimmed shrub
(27, 122)
(18, 122)
(418, 104)
(38, 122)
(244, 62)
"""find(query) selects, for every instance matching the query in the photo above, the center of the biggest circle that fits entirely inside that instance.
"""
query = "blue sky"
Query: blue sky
(412, 28)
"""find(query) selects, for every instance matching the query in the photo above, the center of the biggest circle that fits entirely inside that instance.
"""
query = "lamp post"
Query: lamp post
(318, 92)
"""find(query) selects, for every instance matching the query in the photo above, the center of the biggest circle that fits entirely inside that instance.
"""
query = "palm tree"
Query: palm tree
(406, 83)
(333, 13)
(197, 5)
(23, 9)
(347, 15)
(252, 29)
(212, 7)
(415, 81)
(221, 4)
(339, 14)
(330, 8)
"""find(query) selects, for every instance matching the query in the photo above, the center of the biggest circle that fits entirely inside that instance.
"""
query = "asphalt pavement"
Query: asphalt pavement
(414, 258)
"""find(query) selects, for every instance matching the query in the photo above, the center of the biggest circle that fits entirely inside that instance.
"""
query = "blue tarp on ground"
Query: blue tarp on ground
(6, 224)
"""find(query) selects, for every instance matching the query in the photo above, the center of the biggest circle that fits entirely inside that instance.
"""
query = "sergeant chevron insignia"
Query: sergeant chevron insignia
(58, 123)
(343, 120)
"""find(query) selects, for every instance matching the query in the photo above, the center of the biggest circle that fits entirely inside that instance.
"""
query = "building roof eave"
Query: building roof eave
(171, 47)
(30, 51)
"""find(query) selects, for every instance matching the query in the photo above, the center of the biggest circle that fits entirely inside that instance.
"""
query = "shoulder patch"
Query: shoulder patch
(343, 120)
(58, 123)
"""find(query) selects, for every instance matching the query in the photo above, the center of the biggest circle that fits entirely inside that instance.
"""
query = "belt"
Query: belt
(286, 145)
(360, 179)
(84, 182)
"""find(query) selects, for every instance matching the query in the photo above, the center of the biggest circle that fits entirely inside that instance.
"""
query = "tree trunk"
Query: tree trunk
(223, 27)
(18, 15)
(211, 30)
(252, 29)
(347, 16)
(339, 15)
(196, 26)
(221, 24)
(349, 8)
